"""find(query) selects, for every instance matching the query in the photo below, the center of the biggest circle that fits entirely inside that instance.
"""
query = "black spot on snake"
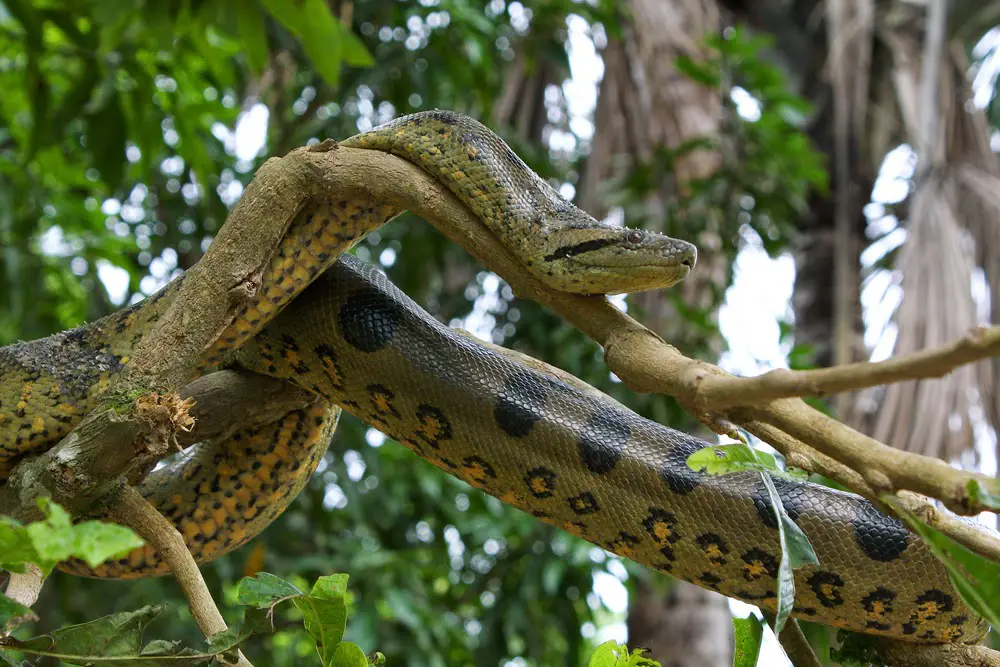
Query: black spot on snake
(478, 469)
(660, 526)
(826, 586)
(878, 605)
(369, 319)
(710, 580)
(602, 441)
(930, 605)
(434, 425)
(585, 503)
(520, 404)
(675, 471)
(328, 359)
(541, 482)
(882, 537)
(382, 398)
(759, 563)
(714, 547)
(622, 544)
(792, 495)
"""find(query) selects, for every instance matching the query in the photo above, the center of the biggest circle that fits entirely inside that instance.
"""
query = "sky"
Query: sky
(749, 320)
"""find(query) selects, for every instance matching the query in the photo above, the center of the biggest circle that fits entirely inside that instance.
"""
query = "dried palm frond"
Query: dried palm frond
(933, 417)
(954, 229)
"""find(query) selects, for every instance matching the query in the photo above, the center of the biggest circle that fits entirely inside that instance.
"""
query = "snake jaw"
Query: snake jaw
(613, 260)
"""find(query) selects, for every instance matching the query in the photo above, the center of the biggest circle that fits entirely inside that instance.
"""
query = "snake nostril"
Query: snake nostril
(688, 262)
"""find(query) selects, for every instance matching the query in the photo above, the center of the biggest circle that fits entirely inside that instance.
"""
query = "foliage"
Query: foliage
(613, 654)
(118, 638)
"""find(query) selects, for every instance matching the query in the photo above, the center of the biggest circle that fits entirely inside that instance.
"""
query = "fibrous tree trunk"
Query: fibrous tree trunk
(860, 65)
(646, 103)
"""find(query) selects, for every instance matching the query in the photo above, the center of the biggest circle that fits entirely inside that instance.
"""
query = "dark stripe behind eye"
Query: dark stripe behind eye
(586, 246)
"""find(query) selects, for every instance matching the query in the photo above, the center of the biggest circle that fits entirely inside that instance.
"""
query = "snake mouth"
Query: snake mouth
(667, 254)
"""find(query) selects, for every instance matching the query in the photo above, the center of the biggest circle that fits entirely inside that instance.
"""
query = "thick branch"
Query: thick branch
(906, 654)
(223, 403)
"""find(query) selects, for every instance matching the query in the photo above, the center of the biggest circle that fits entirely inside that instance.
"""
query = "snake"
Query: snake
(520, 430)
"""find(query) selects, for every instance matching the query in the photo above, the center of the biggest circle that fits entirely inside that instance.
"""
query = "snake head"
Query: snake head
(607, 259)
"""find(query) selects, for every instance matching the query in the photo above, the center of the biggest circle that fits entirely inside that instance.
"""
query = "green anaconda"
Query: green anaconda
(533, 438)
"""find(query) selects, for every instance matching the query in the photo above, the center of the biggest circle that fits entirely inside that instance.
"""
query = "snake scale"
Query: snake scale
(524, 432)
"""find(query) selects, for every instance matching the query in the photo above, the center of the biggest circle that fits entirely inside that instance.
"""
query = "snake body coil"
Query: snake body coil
(557, 449)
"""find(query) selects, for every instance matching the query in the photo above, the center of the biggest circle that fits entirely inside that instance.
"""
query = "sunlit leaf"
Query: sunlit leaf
(325, 39)
(613, 654)
(723, 459)
(796, 551)
(748, 634)
(264, 590)
(253, 33)
(348, 655)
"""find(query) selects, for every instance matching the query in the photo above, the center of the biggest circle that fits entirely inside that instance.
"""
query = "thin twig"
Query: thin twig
(724, 392)
(132, 510)
(24, 588)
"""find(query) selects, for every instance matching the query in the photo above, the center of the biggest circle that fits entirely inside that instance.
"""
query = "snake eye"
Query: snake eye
(634, 236)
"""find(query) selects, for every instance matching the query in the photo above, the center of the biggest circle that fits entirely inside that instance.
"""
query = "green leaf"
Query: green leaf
(325, 39)
(324, 610)
(254, 621)
(52, 538)
(796, 551)
(723, 459)
(96, 542)
(11, 610)
(748, 632)
(325, 621)
(107, 132)
(976, 579)
(980, 493)
(56, 539)
(264, 590)
(16, 548)
(253, 34)
(48, 542)
(112, 640)
(704, 73)
(114, 635)
(330, 587)
(348, 655)
(612, 654)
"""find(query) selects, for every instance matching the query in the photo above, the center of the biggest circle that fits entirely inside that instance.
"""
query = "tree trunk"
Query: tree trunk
(646, 103)
(687, 627)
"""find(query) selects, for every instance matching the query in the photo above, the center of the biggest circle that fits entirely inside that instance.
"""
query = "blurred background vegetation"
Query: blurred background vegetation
(129, 128)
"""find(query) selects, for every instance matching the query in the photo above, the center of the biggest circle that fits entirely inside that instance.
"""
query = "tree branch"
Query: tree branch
(720, 392)
(224, 402)
(132, 510)
(24, 588)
